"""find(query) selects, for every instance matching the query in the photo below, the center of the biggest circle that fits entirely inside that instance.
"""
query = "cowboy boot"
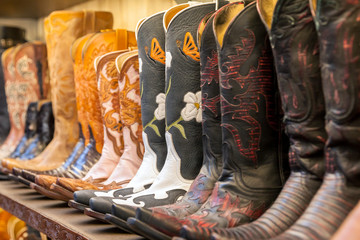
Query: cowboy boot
(44, 131)
(252, 173)
(30, 130)
(27, 87)
(210, 171)
(9, 37)
(296, 53)
(84, 135)
(97, 45)
(151, 42)
(130, 119)
(68, 26)
(183, 117)
(337, 23)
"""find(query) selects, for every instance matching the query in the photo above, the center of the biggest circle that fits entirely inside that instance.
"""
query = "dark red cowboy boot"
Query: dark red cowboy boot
(252, 173)
(296, 53)
(338, 24)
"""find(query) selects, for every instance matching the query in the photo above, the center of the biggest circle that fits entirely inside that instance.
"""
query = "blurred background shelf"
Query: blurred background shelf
(54, 218)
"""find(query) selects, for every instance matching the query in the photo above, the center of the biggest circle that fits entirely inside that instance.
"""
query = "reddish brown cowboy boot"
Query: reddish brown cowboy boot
(252, 173)
(337, 23)
(296, 53)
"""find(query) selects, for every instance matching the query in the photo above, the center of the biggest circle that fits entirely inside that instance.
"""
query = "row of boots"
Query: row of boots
(216, 87)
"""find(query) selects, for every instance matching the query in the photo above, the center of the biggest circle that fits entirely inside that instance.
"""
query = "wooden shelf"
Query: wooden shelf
(54, 218)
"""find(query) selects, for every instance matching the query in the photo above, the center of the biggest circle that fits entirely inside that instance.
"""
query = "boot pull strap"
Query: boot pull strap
(121, 41)
(89, 22)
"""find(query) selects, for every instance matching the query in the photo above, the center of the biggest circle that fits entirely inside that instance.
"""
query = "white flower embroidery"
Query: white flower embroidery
(160, 110)
(192, 108)
(168, 59)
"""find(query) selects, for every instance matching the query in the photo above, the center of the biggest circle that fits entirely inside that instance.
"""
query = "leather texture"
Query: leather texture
(182, 111)
(107, 80)
(210, 171)
(252, 174)
(151, 44)
(14, 36)
(336, 23)
(296, 53)
(30, 84)
(68, 26)
(127, 98)
(95, 46)
(44, 131)
(127, 66)
(30, 130)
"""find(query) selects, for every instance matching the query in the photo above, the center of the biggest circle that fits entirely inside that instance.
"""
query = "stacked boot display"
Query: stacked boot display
(211, 121)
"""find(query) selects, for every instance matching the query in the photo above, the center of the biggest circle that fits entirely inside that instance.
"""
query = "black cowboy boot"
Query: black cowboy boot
(252, 174)
(337, 23)
(296, 53)
(151, 45)
(162, 218)
(30, 130)
(183, 115)
(44, 132)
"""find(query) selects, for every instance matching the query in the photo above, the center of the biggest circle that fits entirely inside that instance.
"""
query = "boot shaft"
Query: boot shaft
(97, 45)
(45, 122)
(338, 23)
(210, 100)
(151, 43)
(80, 86)
(130, 104)
(296, 53)
(107, 77)
(183, 95)
(250, 115)
(68, 26)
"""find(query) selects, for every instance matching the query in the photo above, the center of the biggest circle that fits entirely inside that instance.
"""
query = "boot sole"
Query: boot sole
(118, 222)
(60, 190)
(79, 206)
(48, 193)
(145, 230)
(97, 215)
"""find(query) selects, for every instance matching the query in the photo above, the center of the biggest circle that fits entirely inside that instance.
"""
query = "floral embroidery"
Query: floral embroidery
(159, 113)
(192, 108)
(160, 110)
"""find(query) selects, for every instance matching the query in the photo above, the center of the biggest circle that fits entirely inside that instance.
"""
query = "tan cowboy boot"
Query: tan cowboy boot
(65, 26)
